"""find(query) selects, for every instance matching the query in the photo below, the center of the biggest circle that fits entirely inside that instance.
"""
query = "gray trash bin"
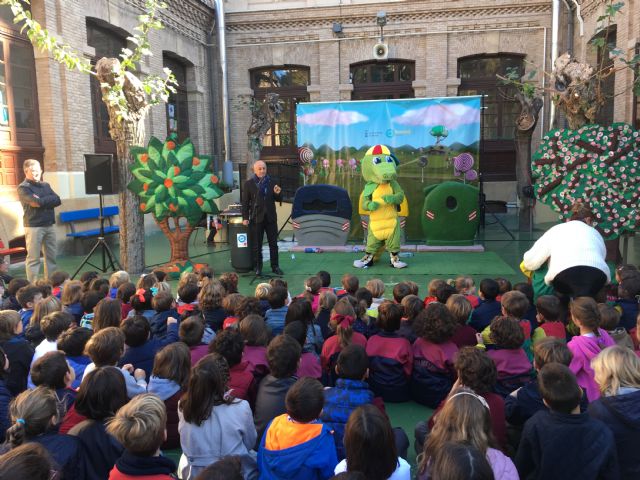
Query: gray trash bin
(240, 247)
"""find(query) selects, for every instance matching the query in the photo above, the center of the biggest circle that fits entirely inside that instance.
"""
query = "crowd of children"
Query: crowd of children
(100, 376)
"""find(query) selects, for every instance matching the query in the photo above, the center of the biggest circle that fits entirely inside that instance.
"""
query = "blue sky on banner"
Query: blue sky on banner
(390, 122)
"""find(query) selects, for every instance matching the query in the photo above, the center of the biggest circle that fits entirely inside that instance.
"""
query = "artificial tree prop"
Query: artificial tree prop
(173, 183)
(597, 164)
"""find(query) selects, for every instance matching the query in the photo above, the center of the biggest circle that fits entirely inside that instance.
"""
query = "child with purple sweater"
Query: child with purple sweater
(512, 363)
(584, 347)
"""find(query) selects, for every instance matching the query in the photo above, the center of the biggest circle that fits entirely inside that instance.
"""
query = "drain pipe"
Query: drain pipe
(580, 19)
(227, 167)
(570, 26)
(555, 30)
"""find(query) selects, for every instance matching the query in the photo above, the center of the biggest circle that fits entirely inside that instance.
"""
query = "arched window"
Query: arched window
(177, 105)
(108, 42)
(382, 80)
(19, 119)
(290, 83)
(478, 77)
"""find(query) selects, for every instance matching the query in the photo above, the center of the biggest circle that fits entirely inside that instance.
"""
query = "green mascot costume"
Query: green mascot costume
(381, 197)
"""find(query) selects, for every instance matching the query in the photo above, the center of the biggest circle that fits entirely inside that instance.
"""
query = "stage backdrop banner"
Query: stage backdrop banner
(435, 139)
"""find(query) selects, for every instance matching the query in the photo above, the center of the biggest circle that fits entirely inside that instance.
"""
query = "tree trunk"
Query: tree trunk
(131, 218)
(178, 240)
(525, 126)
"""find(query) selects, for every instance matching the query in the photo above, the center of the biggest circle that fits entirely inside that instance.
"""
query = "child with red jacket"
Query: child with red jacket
(230, 344)
(390, 356)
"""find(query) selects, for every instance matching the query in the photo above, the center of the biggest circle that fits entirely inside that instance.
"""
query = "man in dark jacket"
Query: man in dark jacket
(259, 212)
(38, 201)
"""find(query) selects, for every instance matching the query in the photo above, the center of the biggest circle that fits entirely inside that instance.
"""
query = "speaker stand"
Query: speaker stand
(100, 244)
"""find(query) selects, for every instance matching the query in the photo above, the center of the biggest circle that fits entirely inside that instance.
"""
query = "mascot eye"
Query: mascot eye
(389, 160)
(376, 160)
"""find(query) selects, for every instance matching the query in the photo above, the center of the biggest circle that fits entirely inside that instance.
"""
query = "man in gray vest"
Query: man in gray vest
(38, 201)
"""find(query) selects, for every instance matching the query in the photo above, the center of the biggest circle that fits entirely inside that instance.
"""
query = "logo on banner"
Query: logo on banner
(242, 240)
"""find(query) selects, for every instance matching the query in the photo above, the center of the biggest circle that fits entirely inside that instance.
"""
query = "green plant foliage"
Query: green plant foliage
(597, 164)
(172, 181)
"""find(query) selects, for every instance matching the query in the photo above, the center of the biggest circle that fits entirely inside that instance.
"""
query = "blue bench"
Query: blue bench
(73, 216)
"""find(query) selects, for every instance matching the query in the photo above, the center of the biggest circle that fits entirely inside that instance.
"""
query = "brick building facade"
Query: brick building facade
(63, 109)
(324, 50)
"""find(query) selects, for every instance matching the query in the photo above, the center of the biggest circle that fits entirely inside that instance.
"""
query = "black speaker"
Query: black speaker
(98, 174)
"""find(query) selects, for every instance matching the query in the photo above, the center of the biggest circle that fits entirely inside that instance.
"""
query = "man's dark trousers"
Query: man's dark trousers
(257, 231)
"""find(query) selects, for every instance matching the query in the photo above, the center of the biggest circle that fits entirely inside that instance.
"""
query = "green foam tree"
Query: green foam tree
(597, 164)
(173, 183)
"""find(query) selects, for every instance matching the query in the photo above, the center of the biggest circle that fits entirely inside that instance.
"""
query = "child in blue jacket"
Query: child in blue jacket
(296, 445)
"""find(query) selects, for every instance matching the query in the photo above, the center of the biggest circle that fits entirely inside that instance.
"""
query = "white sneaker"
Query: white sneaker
(395, 261)
(365, 261)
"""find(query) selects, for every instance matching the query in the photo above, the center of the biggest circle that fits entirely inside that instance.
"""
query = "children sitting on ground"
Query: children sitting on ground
(326, 303)
(10, 301)
(476, 371)
(309, 361)
(411, 308)
(53, 371)
(52, 326)
(210, 304)
(72, 342)
(101, 394)
(465, 418)
(107, 313)
(140, 426)
(364, 324)
(116, 280)
(552, 436)
(124, 294)
(262, 294)
(283, 355)
(188, 304)
(627, 302)
(275, 316)
(231, 304)
(58, 279)
(548, 317)
(256, 338)
(296, 444)
(531, 312)
(376, 287)
(523, 403)
(18, 351)
(169, 377)
(300, 310)
(432, 287)
(610, 321)
(141, 303)
(350, 283)
(230, 344)
(466, 287)
(370, 447)
(311, 292)
(585, 346)
(165, 307)
(89, 300)
(28, 297)
(325, 281)
(512, 363)
(342, 319)
(488, 308)
(401, 290)
(34, 416)
(105, 348)
(191, 332)
(433, 355)
(141, 347)
(617, 372)
(390, 356)
(460, 307)
(212, 423)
